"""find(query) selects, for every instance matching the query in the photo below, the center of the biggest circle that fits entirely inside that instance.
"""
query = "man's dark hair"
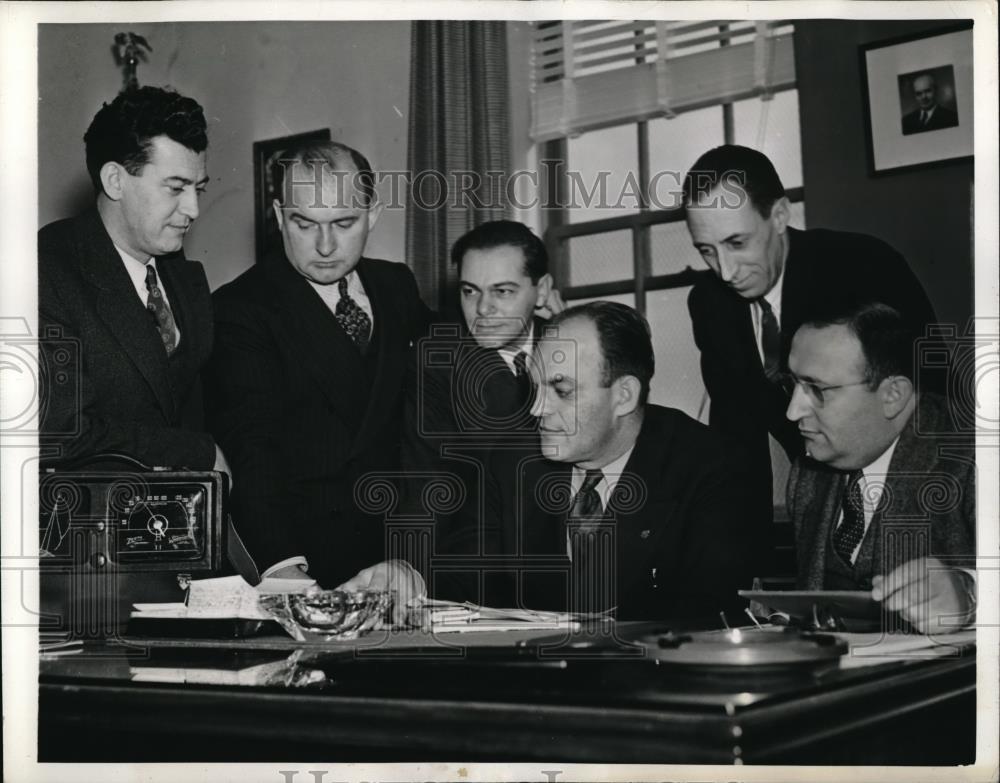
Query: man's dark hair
(501, 233)
(331, 155)
(123, 130)
(886, 340)
(741, 169)
(625, 339)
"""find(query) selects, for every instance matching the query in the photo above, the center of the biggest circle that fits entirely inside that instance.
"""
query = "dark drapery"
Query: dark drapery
(458, 135)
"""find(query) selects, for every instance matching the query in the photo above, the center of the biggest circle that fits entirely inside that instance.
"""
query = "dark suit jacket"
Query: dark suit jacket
(462, 395)
(301, 415)
(120, 393)
(930, 481)
(941, 118)
(680, 539)
(824, 269)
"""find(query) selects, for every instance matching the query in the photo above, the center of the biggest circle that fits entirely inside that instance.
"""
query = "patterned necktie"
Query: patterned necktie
(157, 305)
(523, 379)
(852, 527)
(587, 503)
(352, 318)
(770, 340)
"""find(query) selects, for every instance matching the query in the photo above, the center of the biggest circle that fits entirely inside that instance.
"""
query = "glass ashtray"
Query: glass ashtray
(328, 614)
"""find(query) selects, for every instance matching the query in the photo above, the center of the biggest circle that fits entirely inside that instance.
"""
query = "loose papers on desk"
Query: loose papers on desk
(448, 616)
(223, 598)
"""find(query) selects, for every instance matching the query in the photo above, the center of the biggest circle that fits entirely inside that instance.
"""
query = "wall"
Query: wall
(924, 214)
(256, 81)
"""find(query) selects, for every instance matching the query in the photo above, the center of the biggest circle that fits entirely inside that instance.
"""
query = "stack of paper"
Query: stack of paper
(224, 598)
(448, 616)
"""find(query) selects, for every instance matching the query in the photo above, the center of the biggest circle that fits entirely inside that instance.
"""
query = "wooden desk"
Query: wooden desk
(400, 702)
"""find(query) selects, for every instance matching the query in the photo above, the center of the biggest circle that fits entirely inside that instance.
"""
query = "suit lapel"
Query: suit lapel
(390, 365)
(122, 311)
(820, 514)
(640, 504)
(323, 348)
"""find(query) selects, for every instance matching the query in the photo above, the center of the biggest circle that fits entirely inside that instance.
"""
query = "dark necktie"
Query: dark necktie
(586, 506)
(352, 318)
(924, 117)
(157, 305)
(523, 379)
(852, 527)
(770, 341)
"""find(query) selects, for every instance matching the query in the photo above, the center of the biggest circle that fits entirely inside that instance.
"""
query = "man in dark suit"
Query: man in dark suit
(471, 388)
(768, 279)
(114, 285)
(884, 498)
(626, 506)
(305, 383)
(929, 114)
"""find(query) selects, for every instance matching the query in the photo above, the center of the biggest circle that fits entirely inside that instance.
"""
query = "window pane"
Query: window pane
(598, 169)
(773, 128)
(674, 145)
(601, 258)
(677, 381)
(625, 299)
(671, 249)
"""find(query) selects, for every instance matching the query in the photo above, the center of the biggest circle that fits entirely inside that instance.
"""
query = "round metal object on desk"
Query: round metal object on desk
(733, 650)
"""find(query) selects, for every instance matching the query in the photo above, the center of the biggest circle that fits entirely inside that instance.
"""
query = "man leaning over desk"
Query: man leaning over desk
(884, 498)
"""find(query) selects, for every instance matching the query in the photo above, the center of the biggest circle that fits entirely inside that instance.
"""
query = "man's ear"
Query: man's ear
(780, 214)
(544, 287)
(627, 391)
(374, 213)
(112, 180)
(278, 214)
(896, 391)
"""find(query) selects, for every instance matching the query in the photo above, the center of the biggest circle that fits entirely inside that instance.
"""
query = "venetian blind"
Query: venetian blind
(592, 74)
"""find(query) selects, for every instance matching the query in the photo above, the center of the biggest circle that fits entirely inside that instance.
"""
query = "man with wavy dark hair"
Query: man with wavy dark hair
(114, 285)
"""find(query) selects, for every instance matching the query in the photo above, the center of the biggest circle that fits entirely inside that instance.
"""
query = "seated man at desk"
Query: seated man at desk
(885, 497)
(627, 507)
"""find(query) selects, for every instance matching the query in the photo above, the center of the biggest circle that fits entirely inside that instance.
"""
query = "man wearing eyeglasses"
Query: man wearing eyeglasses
(884, 498)
(768, 278)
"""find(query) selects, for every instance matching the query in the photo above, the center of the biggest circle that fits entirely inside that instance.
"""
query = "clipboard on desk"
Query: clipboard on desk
(844, 609)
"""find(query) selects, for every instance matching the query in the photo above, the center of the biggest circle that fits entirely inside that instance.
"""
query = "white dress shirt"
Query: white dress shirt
(510, 354)
(773, 298)
(872, 484)
(612, 472)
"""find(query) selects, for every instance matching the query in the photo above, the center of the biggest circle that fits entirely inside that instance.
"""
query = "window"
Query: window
(613, 227)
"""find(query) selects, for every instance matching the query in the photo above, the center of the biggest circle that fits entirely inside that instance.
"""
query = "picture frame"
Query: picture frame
(918, 100)
(265, 155)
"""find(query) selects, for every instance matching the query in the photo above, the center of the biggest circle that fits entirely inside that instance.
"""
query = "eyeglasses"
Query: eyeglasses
(814, 391)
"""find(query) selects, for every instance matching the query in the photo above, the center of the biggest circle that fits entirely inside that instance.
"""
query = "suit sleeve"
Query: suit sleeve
(718, 556)
(243, 403)
(74, 422)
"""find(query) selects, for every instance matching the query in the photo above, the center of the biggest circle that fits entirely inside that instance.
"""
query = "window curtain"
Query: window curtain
(458, 133)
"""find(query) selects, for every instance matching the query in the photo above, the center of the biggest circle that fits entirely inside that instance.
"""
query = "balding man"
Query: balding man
(307, 376)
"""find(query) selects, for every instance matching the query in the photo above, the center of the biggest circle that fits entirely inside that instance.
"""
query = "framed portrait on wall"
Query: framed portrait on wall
(265, 154)
(918, 100)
